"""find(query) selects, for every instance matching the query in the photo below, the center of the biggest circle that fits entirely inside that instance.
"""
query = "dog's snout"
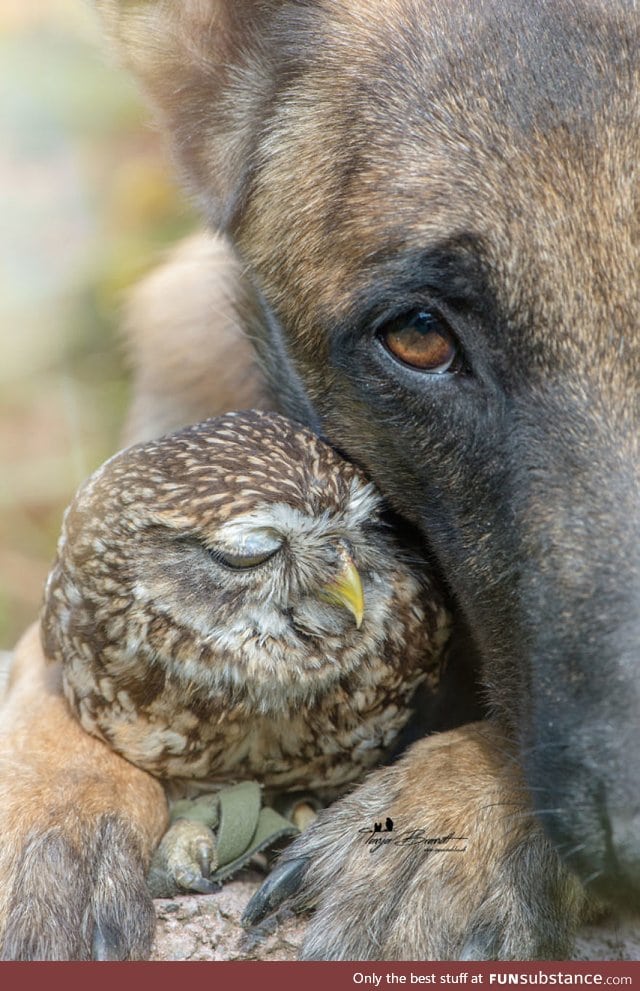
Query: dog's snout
(591, 812)
(581, 665)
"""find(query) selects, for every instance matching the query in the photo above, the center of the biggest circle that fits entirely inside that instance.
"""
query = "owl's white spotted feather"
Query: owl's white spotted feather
(205, 606)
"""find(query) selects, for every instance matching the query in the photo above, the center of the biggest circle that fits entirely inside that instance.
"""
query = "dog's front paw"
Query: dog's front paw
(438, 857)
(79, 894)
(78, 825)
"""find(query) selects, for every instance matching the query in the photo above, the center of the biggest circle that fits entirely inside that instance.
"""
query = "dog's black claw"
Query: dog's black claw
(481, 946)
(107, 945)
(284, 881)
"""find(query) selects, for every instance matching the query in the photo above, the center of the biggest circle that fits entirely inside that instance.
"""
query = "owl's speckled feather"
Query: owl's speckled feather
(197, 667)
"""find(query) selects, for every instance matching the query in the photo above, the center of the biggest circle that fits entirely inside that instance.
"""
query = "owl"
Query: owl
(230, 603)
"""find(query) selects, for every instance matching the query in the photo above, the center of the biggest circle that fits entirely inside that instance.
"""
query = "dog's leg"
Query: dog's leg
(465, 873)
(78, 825)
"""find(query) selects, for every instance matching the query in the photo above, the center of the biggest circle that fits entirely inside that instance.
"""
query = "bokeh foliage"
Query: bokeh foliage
(87, 204)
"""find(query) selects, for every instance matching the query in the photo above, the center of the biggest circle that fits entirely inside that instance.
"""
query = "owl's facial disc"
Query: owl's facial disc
(303, 565)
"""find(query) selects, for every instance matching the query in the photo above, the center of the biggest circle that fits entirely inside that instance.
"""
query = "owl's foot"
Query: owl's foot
(436, 857)
(187, 854)
(78, 824)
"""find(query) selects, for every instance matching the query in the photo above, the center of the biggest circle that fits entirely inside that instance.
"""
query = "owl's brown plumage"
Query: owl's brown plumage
(205, 603)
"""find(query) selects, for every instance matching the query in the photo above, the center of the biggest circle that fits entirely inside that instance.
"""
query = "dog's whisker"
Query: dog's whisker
(518, 816)
(570, 851)
(592, 877)
(557, 811)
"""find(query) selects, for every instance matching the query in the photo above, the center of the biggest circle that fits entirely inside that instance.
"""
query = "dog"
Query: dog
(429, 238)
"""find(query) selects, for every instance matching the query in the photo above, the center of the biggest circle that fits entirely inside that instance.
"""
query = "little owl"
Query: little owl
(230, 603)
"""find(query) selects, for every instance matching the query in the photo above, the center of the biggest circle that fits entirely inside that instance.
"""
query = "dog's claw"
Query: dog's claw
(283, 882)
(106, 945)
(481, 946)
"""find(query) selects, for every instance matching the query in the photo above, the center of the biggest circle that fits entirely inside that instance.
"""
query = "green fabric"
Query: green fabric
(269, 828)
(239, 814)
(204, 809)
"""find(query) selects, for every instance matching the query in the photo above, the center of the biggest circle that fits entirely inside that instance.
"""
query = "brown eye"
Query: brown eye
(422, 341)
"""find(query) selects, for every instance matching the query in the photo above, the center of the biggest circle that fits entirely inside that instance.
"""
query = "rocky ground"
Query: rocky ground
(208, 928)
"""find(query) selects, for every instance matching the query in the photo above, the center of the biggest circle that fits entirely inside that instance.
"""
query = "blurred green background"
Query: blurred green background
(87, 204)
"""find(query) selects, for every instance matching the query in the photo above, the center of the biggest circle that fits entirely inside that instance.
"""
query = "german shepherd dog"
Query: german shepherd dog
(434, 213)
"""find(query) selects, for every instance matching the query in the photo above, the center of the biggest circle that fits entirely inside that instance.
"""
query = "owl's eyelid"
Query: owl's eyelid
(242, 562)
(248, 550)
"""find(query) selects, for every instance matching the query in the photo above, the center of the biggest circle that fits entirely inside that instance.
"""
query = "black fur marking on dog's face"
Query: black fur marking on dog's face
(484, 162)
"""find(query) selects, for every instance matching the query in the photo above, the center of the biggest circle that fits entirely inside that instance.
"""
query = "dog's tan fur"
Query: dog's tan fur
(329, 139)
(68, 801)
(172, 352)
(466, 785)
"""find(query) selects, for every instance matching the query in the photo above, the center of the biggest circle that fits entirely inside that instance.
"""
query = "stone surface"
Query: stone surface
(207, 927)
(610, 939)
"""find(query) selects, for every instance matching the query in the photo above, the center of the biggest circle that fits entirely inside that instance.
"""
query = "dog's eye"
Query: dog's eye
(422, 340)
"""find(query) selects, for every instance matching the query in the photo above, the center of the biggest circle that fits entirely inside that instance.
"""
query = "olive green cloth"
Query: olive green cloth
(242, 827)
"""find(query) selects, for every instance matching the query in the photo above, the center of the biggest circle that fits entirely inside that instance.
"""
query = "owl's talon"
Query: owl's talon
(183, 861)
(283, 882)
(204, 858)
(199, 883)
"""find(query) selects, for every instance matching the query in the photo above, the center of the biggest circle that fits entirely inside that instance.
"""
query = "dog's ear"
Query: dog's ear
(210, 70)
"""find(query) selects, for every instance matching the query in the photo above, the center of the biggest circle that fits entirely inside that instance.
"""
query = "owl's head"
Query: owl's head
(240, 549)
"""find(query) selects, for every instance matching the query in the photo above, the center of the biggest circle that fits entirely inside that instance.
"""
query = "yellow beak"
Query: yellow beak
(346, 590)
